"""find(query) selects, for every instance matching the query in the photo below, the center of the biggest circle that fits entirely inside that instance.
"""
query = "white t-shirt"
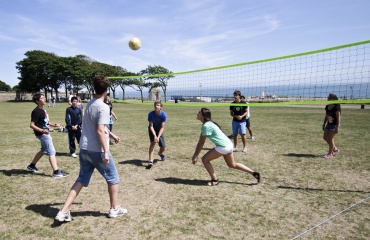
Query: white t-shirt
(96, 112)
(249, 113)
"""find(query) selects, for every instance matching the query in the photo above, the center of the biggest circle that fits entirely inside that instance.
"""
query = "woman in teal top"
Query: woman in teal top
(224, 147)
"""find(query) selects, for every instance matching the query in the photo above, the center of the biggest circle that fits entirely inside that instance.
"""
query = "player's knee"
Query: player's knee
(231, 165)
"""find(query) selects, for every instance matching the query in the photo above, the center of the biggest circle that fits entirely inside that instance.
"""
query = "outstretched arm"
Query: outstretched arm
(201, 141)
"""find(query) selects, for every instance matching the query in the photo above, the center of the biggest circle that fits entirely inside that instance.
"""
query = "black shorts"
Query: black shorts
(247, 123)
(161, 143)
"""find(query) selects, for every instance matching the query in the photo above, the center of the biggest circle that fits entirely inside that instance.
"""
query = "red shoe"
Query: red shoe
(328, 156)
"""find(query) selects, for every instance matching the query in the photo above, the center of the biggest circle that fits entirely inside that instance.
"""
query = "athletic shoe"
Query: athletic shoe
(60, 174)
(335, 151)
(163, 157)
(235, 149)
(252, 138)
(63, 216)
(245, 150)
(119, 211)
(73, 155)
(257, 175)
(328, 156)
(32, 169)
(150, 164)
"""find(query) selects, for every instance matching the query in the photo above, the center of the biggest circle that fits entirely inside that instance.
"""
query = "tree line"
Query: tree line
(47, 72)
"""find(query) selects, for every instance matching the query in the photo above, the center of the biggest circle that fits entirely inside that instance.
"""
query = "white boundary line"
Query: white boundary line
(363, 200)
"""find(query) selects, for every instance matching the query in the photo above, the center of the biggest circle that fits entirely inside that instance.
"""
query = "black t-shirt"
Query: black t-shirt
(331, 115)
(40, 118)
(239, 110)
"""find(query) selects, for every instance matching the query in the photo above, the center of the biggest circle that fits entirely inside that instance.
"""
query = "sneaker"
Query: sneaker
(150, 164)
(328, 156)
(32, 169)
(235, 149)
(73, 155)
(60, 174)
(119, 211)
(63, 216)
(335, 151)
(245, 150)
(163, 157)
(257, 175)
(252, 138)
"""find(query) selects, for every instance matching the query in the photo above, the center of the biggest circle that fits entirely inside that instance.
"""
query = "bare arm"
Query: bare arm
(337, 113)
(114, 115)
(201, 141)
(232, 113)
(103, 141)
(37, 129)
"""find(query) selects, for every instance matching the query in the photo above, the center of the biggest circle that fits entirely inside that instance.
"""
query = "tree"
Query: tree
(123, 82)
(139, 84)
(4, 87)
(38, 71)
(163, 75)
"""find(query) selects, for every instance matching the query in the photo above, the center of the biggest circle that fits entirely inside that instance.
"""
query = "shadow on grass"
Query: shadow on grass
(320, 189)
(49, 211)
(301, 155)
(195, 182)
(137, 162)
(16, 172)
(60, 154)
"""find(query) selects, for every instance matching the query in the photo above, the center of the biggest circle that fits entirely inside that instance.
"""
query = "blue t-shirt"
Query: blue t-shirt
(157, 120)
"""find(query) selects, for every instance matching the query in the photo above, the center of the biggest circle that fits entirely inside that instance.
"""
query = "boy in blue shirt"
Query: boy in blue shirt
(157, 120)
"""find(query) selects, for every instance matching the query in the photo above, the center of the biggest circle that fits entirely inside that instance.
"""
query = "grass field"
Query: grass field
(299, 188)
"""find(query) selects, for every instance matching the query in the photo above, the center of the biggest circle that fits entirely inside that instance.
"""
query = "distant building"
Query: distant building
(154, 94)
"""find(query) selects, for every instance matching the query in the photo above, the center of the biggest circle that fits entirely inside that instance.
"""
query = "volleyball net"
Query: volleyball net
(304, 78)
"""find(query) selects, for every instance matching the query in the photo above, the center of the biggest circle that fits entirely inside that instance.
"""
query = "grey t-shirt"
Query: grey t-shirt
(97, 112)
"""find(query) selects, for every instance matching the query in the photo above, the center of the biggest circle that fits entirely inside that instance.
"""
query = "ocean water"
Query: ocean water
(343, 91)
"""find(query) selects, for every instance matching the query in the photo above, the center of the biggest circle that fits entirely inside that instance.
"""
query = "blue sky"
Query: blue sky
(179, 35)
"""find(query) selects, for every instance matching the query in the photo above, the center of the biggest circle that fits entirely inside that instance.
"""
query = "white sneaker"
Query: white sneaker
(245, 150)
(119, 211)
(73, 155)
(252, 138)
(235, 149)
(63, 216)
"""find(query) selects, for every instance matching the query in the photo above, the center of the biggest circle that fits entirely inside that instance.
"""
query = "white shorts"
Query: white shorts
(225, 150)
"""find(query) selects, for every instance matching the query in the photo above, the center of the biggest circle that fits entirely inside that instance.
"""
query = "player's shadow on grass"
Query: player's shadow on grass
(137, 162)
(320, 189)
(194, 182)
(301, 155)
(62, 154)
(49, 211)
(17, 172)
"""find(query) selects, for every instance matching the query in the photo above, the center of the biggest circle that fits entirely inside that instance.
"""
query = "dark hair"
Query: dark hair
(237, 92)
(334, 97)
(101, 84)
(74, 98)
(242, 96)
(206, 113)
(36, 97)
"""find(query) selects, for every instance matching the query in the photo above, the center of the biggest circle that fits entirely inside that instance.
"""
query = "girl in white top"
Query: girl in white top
(224, 147)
